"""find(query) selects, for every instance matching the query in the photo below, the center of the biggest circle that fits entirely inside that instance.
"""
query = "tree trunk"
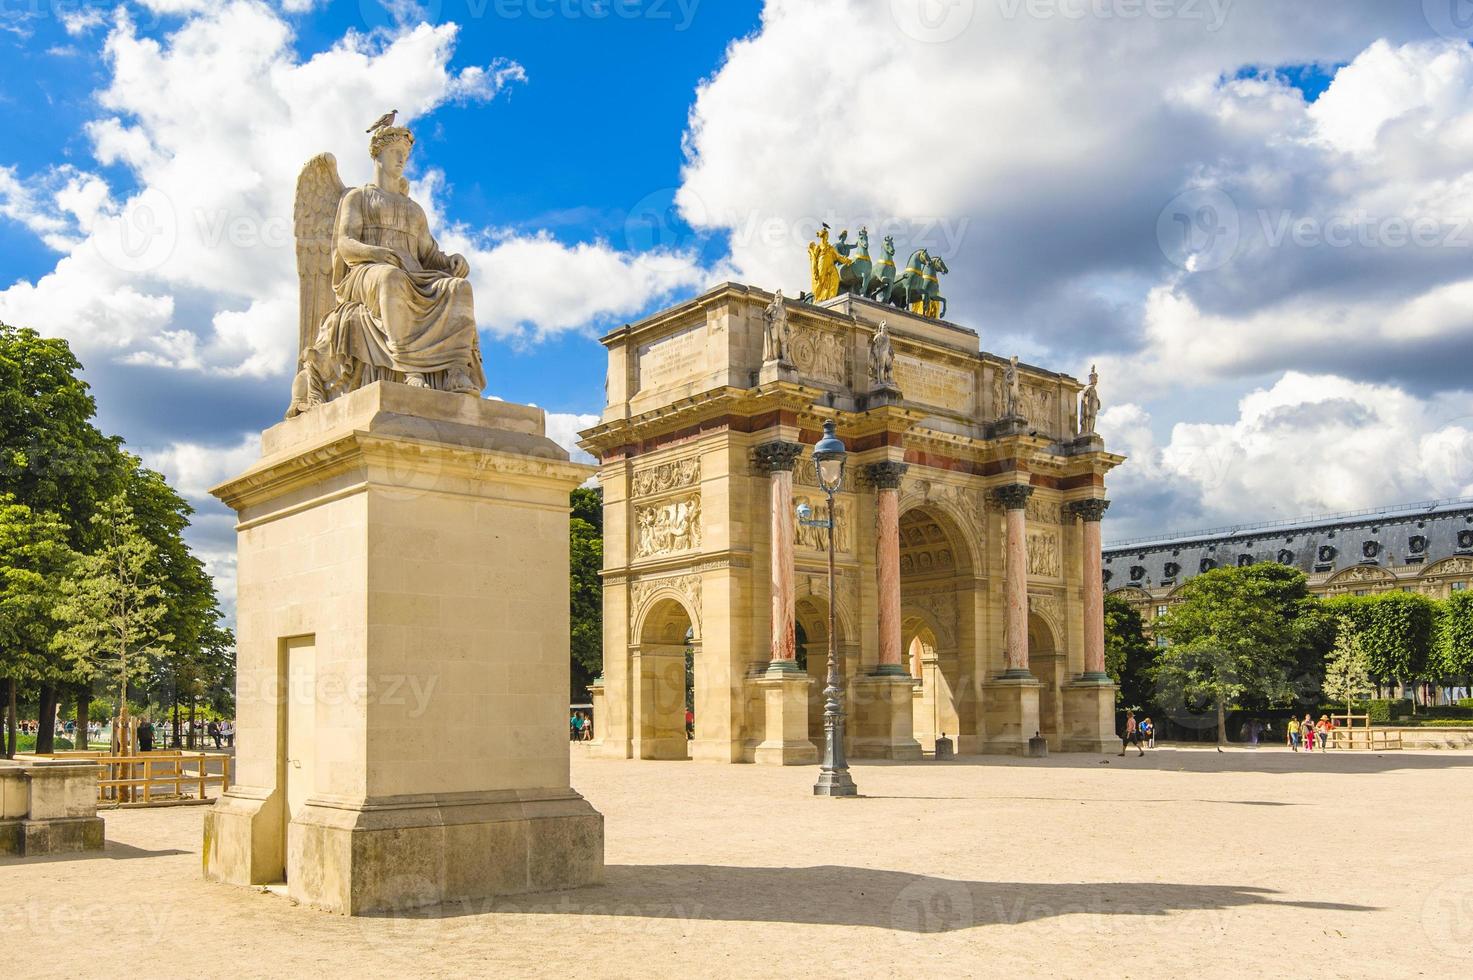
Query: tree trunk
(174, 742)
(84, 708)
(46, 720)
(1221, 723)
(192, 746)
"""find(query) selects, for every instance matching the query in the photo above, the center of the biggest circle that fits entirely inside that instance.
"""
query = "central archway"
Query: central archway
(936, 599)
(664, 666)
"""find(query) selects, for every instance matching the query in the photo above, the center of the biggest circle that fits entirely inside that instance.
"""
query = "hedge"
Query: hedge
(1395, 629)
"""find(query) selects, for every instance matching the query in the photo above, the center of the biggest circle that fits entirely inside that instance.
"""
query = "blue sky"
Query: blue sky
(594, 168)
(594, 133)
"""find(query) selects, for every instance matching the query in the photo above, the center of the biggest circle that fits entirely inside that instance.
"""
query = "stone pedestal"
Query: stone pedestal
(1010, 713)
(776, 371)
(1089, 716)
(403, 658)
(785, 705)
(49, 806)
(883, 717)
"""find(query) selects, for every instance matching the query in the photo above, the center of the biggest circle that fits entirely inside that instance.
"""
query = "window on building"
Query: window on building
(1459, 586)
(1160, 610)
(1362, 591)
(1161, 643)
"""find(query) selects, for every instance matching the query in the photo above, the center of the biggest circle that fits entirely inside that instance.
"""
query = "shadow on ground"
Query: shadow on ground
(846, 896)
(112, 851)
(1273, 760)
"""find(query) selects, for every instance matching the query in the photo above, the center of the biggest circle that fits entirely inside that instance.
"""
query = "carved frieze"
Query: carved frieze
(1038, 406)
(668, 527)
(817, 538)
(1043, 511)
(1043, 554)
(1048, 606)
(819, 354)
(664, 477)
(941, 609)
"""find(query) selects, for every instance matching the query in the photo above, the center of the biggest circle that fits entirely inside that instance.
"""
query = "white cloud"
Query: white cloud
(193, 468)
(1306, 444)
(78, 21)
(563, 428)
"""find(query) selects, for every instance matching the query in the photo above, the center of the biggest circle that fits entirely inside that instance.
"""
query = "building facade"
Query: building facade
(968, 579)
(1422, 547)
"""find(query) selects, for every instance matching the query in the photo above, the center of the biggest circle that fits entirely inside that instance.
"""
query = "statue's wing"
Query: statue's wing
(319, 190)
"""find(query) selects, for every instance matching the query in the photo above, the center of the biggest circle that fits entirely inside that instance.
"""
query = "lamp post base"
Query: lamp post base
(835, 784)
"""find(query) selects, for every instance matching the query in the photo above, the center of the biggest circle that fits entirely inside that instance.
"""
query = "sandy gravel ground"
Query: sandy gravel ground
(1185, 863)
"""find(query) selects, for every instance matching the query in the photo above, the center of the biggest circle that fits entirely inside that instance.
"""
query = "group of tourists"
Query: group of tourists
(1141, 733)
(1308, 733)
(580, 727)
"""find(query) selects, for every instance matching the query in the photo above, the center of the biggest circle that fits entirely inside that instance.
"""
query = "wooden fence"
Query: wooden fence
(159, 776)
(1346, 735)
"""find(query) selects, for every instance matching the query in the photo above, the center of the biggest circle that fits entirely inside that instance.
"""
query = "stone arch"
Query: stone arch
(938, 594)
(668, 676)
(648, 595)
(946, 507)
(811, 619)
(1048, 662)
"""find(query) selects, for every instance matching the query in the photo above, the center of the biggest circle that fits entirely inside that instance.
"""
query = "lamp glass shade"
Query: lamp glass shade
(829, 454)
(831, 473)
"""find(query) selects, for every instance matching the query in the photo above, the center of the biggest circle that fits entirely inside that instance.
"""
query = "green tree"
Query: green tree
(586, 558)
(1347, 669)
(52, 457)
(112, 606)
(1395, 630)
(34, 559)
(1129, 654)
(1235, 635)
(1453, 644)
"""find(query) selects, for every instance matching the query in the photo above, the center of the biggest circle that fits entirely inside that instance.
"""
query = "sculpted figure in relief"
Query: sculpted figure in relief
(775, 330)
(1089, 405)
(1014, 393)
(882, 358)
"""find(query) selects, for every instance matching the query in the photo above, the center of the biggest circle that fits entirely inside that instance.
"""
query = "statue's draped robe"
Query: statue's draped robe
(391, 321)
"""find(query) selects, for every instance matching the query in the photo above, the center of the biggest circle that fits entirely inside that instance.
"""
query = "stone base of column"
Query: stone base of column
(600, 716)
(1009, 714)
(1089, 715)
(785, 717)
(882, 717)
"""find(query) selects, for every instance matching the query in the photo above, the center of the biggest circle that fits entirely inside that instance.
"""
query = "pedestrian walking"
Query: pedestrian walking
(1294, 734)
(1131, 735)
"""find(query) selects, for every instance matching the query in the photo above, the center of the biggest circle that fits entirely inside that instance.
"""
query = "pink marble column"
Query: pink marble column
(1091, 512)
(777, 459)
(1014, 498)
(886, 476)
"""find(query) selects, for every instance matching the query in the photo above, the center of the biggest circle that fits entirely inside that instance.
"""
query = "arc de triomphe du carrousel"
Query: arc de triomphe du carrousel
(969, 593)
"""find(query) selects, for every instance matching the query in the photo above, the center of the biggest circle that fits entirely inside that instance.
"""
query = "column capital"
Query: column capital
(1092, 509)
(886, 475)
(1013, 496)
(773, 457)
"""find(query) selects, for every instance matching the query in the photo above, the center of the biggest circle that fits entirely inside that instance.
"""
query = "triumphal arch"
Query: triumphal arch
(968, 592)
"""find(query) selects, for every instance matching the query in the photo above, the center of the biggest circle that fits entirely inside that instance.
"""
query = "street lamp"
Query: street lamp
(833, 773)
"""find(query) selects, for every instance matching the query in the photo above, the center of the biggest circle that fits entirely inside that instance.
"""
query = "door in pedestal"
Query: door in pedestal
(301, 712)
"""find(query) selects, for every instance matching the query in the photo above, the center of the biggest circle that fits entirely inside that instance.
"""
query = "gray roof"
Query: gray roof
(1405, 534)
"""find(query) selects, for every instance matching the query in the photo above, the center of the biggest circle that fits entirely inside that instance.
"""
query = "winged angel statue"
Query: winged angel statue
(379, 300)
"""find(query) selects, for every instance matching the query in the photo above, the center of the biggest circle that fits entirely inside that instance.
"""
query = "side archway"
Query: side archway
(666, 674)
